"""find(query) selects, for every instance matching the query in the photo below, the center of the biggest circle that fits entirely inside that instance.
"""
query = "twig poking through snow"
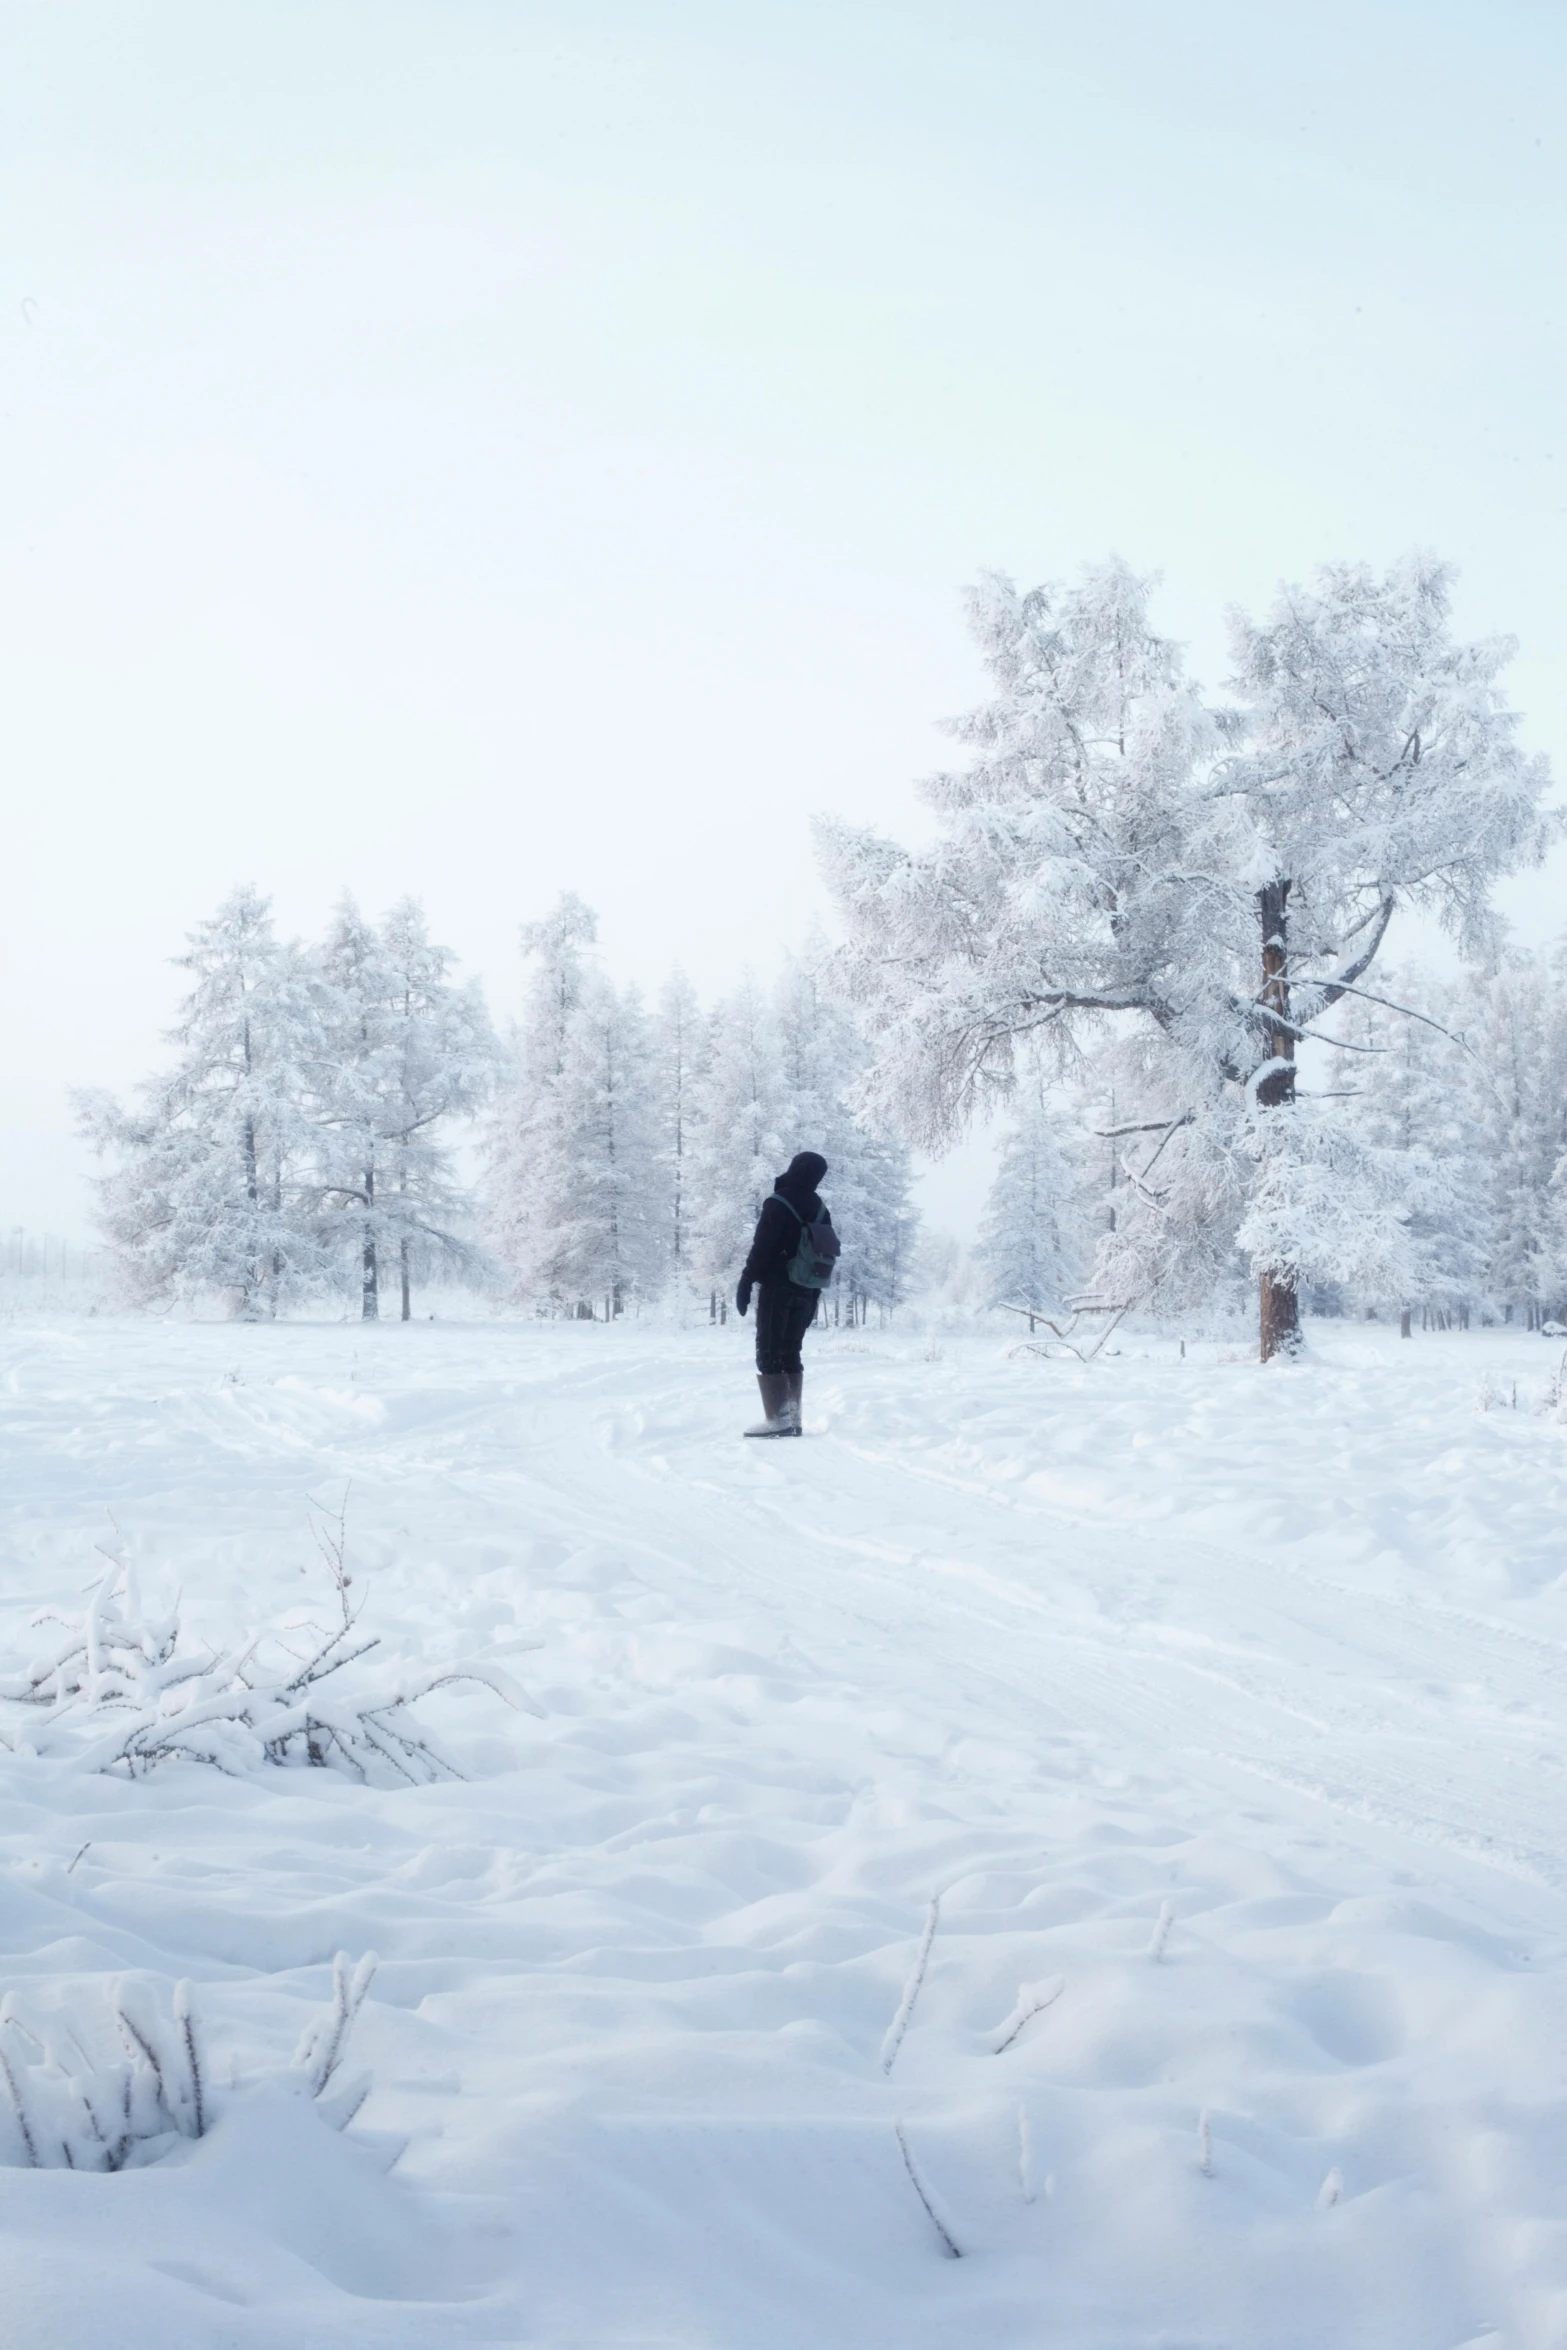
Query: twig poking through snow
(1161, 1932)
(184, 2018)
(1031, 1999)
(1025, 2155)
(1330, 2190)
(320, 2052)
(1204, 2145)
(948, 2243)
(63, 2107)
(331, 1536)
(911, 1989)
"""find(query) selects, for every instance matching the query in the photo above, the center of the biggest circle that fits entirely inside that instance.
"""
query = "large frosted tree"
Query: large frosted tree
(211, 1181)
(1119, 863)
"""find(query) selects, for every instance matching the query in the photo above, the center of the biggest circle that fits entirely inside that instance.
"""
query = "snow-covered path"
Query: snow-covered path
(1277, 1660)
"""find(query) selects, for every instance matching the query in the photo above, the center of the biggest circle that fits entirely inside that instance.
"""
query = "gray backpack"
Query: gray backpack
(817, 1252)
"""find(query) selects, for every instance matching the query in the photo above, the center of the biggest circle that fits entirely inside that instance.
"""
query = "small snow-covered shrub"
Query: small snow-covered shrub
(122, 1691)
(118, 2091)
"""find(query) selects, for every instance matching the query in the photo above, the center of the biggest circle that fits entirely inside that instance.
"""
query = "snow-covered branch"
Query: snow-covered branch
(117, 1693)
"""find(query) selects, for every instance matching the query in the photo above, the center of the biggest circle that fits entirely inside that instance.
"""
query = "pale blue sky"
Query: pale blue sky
(490, 449)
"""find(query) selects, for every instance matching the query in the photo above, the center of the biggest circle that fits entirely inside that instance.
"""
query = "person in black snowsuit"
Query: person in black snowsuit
(784, 1311)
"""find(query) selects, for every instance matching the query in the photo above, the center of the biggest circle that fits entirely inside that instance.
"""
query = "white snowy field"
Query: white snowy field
(1223, 1707)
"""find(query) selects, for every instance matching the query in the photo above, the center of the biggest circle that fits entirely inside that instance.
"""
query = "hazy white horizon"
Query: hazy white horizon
(488, 449)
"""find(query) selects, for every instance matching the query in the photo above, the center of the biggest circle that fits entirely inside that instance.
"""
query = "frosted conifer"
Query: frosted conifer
(211, 1187)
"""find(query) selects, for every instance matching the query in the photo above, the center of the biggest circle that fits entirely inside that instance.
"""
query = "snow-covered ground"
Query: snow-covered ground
(1222, 1709)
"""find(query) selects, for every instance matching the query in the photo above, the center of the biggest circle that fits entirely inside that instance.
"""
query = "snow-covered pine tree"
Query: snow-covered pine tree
(444, 1056)
(403, 1052)
(520, 1139)
(879, 1218)
(351, 1074)
(1514, 1105)
(601, 1159)
(1205, 884)
(1032, 1238)
(821, 1057)
(210, 1187)
(1410, 1106)
(679, 1059)
(573, 1151)
(741, 1124)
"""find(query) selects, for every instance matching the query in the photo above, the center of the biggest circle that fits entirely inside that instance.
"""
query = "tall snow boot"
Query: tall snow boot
(779, 1416)
(796, 1381)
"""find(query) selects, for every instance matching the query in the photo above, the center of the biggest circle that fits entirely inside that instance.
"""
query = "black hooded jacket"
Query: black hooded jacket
(777, 1232)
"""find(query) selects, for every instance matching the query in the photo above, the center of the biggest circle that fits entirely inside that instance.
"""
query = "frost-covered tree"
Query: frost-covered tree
(1380, 769)
(442, 1071)
(401, 1052)
(211, 1183)
(1510, 1089)
(600, 1170)
(1407, 1099)
(821, 1057)
(521, 1130)
(574, 1150)
(679, 1061)
(1203, 885)
(741, 1127)
(1032, 1239)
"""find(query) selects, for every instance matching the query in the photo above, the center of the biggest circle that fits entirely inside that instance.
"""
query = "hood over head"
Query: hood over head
(799, 1180)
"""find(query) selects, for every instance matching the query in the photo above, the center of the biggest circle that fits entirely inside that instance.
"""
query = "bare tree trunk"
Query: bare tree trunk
(370, 1293)
(1279, 1305)
(253, 1194)
(407, 1291)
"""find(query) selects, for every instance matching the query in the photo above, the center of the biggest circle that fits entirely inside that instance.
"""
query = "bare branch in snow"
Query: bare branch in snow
(911, 1989)
(948, 2240)
(1032, 2000)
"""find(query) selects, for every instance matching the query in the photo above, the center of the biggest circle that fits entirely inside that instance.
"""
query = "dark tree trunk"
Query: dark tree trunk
(253, 1194)
(1278, 1301)
(370, 1289)
(407, 1287)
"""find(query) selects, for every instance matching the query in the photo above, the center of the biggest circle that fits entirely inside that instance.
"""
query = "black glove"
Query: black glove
(743, 1296)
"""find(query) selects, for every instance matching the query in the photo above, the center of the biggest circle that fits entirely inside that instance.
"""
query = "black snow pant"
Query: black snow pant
(784, 1313)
